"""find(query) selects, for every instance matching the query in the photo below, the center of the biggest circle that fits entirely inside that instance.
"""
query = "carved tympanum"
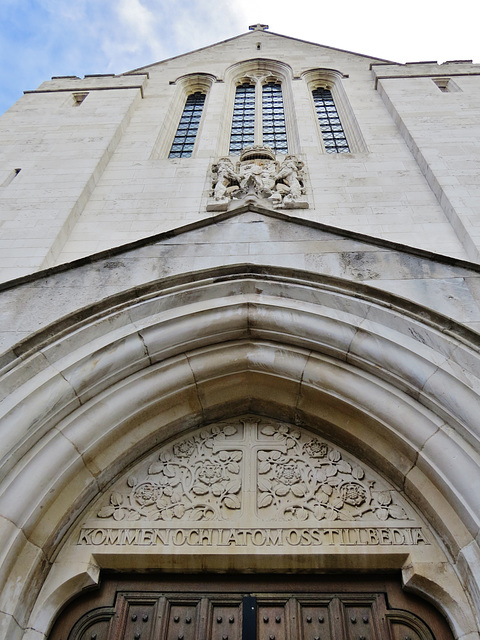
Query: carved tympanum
(252, 469)
(257, 173)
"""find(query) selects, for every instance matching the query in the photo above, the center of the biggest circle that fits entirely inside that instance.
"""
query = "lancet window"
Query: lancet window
(334, 138)
(258, 116)
(243, 123)
(273, 118)
(184, 141)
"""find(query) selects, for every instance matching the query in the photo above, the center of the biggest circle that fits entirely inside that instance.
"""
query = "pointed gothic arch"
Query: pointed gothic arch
(365, 369)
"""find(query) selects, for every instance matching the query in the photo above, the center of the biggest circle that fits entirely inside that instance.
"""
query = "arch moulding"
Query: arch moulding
(392, 384)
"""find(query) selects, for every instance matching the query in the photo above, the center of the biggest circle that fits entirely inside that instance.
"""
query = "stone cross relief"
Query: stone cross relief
(260, 176)
(252, 470)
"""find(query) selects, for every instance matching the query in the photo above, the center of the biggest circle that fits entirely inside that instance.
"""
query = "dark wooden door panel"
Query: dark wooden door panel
(94, 625)
(272, 622)
(226, 622)
(315, 622)
(406, 626)
(94, 630)
(269, 608)
(359, 623)
(182, 621)
(404, 632)
(135, 618)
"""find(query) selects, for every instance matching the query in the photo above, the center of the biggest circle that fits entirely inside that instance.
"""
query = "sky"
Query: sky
(44, 38)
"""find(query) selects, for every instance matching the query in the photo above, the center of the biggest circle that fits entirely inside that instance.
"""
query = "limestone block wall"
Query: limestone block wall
(378, 189)
(56, 141)
(437, 110)
(445, 286)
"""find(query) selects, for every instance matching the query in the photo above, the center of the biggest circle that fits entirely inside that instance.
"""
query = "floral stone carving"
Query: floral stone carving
(311, 480)
(193, 479)
(253, 469)
(258, 173)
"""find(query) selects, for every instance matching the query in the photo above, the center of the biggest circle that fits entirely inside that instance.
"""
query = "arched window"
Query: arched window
(274, 132)
(255, 124)
(334, 138)
(184, 140)
(338, 130)
(259, 108)
(180, 133)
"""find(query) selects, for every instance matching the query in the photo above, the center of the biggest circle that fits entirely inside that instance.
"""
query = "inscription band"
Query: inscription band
(200, 537)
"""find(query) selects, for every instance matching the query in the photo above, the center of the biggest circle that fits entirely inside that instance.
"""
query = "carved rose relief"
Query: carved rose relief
(189, 480)
(311, 480)
(255, 469)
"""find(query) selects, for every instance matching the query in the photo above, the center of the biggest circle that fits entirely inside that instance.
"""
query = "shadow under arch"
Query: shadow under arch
(96, 391)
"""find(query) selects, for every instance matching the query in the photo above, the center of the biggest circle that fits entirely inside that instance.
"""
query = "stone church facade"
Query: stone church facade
(240, 340)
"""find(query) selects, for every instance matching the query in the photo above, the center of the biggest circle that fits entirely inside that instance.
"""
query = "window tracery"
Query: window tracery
(274, 131)
(255, 124)
(262, 111)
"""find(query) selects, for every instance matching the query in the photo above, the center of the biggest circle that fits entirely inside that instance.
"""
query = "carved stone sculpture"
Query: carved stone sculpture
(289, 180)
(260, 175)
(255, 470)
(226, 181)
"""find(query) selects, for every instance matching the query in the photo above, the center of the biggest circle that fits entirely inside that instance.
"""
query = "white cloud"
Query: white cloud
(41, 38)
(408, 31)
(147, 31)
(142, 28)
(61, 10)
(203, 22)
(131, 36)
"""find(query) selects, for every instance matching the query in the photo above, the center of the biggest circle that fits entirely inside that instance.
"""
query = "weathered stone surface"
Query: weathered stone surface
(441, 284)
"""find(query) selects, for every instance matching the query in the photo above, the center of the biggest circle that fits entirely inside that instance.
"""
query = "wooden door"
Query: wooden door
(246, 608)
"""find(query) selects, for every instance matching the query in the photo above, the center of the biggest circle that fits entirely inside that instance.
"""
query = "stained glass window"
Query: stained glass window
(334, 137)
(182, 146)
(243, 123)
(273, 118)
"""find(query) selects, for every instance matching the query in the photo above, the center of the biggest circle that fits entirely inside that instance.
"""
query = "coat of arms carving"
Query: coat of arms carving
(258, 174)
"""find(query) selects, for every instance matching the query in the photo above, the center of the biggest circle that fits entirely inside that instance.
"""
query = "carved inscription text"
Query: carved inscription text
(304, 537)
